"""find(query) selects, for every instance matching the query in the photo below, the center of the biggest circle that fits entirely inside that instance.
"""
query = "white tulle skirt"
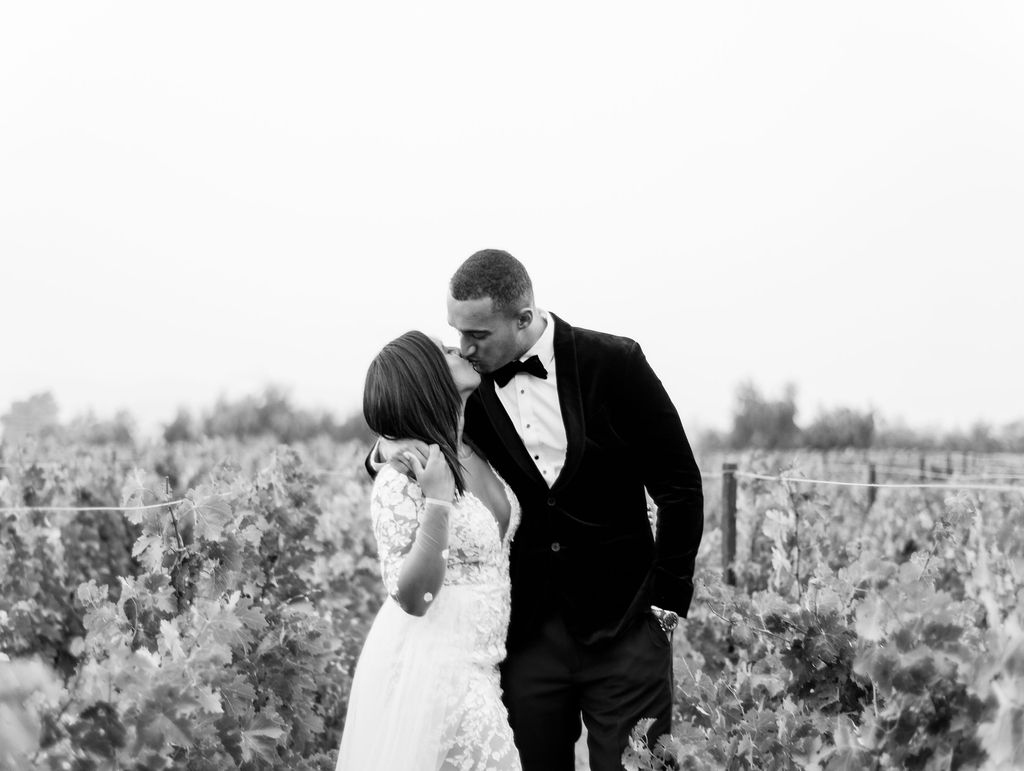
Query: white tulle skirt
(426, 695)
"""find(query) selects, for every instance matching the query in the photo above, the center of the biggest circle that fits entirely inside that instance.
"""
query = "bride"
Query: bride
(426, 692)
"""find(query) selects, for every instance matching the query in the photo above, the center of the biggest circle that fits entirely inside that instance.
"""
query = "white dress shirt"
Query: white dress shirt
(533, 406)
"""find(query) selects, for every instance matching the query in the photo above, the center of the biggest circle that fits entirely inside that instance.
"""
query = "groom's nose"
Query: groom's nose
(468, 348)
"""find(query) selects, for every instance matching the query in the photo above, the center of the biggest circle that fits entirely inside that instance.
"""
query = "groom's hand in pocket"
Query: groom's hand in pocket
(394, 451)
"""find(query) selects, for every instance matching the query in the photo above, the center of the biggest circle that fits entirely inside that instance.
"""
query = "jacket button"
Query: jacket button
(551, 501)
(556, 546)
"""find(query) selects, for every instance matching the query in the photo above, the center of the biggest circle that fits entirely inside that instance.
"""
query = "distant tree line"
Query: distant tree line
(270, 414)
(758, 422)
(761, 422)
(38, 416)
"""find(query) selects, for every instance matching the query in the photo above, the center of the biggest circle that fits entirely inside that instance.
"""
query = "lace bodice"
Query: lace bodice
(477, 552)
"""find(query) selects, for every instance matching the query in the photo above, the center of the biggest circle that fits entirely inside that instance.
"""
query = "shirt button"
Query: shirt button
(556, 546)
(536, 457)
(522, 390)
(551, 501)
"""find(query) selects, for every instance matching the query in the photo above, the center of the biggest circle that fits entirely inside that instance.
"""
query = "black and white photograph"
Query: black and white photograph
(536, 387)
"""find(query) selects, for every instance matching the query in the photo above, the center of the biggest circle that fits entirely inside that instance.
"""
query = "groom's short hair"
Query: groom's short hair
(496, 274)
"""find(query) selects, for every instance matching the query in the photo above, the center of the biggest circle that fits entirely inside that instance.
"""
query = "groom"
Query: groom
(578, 424)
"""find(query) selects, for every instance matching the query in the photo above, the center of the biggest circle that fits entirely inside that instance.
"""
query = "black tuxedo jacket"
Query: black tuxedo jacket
(584, 547)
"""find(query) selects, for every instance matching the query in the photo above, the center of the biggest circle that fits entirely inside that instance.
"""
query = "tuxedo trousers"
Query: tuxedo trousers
(552, 681)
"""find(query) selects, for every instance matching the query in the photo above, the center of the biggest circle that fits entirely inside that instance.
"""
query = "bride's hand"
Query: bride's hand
(394, 451)
(435, 477)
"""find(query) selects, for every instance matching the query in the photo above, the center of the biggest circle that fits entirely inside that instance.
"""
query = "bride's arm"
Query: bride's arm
(412, 536)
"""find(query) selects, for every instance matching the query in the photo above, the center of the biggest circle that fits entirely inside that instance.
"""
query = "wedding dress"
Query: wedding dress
(426, 693)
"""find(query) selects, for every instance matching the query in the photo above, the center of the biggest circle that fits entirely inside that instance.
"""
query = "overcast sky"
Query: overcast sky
(199, 199)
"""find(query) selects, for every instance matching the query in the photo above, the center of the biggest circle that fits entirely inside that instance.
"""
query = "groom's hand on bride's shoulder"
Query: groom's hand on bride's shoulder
(393, 451)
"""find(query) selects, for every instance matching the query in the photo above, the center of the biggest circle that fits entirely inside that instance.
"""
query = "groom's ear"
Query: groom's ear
(524, 317)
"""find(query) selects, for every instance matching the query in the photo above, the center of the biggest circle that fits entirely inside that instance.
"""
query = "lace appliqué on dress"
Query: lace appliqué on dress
(470, 613)
(396, 506)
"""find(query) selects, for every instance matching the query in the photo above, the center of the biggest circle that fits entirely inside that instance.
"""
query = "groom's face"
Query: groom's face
(488, 339)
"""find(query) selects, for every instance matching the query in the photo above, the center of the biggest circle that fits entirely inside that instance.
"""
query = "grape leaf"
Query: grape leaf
(261, 737)
(149, 550)
(212, 512)
(91, 595)
(169, 643)
(209, 700)
(871, 614)
(849, 759)
(238, 695)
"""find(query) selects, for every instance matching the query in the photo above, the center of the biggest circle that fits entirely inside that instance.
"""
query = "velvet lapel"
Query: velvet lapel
(570, 399)
(506, 431)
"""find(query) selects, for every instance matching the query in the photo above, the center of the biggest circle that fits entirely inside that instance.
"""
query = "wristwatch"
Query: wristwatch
(668, 619)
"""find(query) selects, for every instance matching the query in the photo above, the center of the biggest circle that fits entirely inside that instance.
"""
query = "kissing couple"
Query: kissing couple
(529, 591)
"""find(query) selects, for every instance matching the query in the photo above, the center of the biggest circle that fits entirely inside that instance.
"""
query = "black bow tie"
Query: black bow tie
(531, 366)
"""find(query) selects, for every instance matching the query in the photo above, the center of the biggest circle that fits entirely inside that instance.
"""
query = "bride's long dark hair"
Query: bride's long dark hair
(410, 394)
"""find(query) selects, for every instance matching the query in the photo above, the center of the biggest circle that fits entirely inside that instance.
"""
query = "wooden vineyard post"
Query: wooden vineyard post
(922, 474)
(872, 491)
(728, 523)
